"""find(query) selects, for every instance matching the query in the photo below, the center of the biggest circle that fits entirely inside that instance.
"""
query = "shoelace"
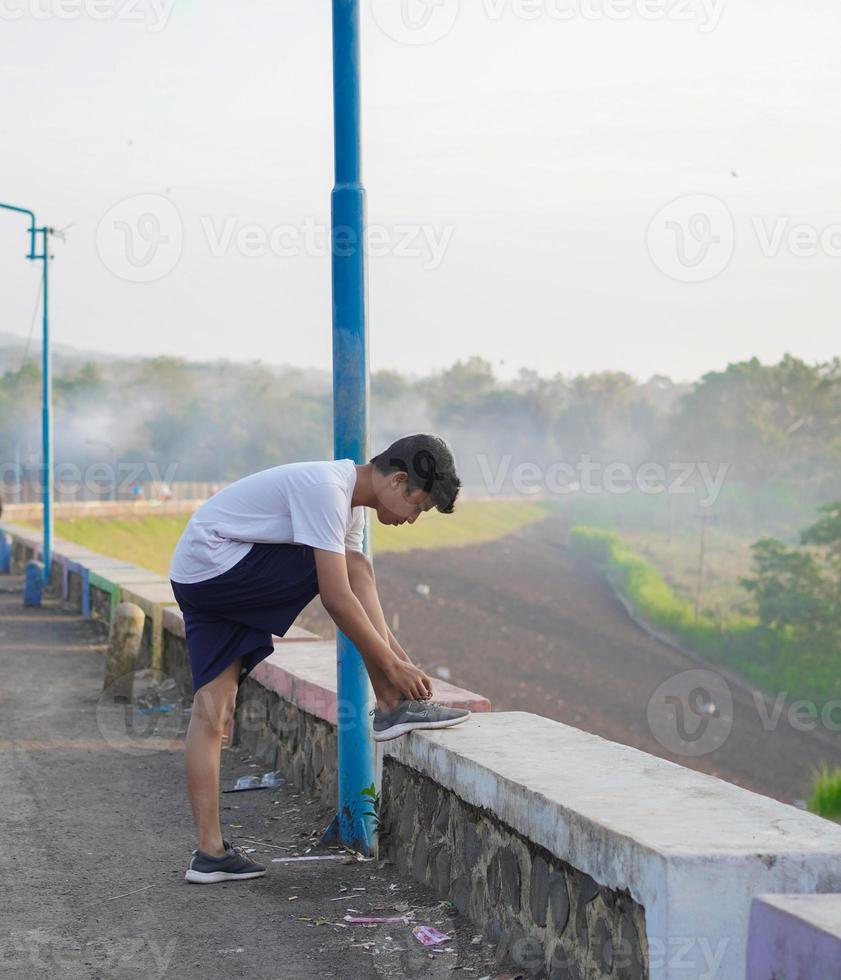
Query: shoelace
(430, 704)
(425, 704)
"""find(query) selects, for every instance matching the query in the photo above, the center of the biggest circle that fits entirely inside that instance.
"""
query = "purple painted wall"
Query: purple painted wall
(795, 937)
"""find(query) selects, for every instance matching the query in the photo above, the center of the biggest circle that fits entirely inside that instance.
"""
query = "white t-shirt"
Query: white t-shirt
(299, 503)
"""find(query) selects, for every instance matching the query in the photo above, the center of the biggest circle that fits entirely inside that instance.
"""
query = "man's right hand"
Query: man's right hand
(411, 682)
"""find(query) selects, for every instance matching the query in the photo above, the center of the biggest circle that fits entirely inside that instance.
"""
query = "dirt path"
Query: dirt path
(523, 622)
(96, 836)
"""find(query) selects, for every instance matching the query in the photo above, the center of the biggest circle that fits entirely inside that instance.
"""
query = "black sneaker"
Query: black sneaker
(410, 715)
(232, 866)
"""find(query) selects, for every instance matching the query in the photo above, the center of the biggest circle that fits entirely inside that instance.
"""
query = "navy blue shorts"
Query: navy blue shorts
(234, 615)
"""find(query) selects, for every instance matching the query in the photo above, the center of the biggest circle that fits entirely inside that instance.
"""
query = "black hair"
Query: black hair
(428, 462)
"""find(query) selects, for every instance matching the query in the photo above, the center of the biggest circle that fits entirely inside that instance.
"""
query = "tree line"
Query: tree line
(777, 427)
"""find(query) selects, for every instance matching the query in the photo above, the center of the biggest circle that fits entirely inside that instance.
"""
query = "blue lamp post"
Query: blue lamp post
(38, 237)
(351, 826)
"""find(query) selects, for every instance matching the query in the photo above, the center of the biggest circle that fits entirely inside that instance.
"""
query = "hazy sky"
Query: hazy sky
(519, 155)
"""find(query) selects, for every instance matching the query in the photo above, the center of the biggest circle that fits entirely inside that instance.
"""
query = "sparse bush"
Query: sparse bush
(826, 793)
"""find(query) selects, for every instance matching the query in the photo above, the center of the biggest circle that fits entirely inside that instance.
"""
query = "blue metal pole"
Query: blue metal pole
(46, 414)
(47, 384)
(352, 825)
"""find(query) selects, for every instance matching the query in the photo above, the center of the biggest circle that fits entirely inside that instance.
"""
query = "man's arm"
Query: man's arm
(346, 608)
(363, 583)
(396, 648)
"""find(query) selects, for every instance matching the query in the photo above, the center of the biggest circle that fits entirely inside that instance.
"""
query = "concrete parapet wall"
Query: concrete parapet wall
(690, 849)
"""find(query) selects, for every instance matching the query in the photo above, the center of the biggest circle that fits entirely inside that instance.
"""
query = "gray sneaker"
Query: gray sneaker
(410, 715)
(232, 866)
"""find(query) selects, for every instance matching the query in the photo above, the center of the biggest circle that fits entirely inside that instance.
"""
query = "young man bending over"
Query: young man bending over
(249, 561)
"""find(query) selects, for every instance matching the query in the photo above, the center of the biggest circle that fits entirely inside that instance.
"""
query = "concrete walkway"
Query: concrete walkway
(96, 835)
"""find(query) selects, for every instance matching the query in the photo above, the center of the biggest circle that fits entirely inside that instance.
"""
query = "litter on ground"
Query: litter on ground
(368, 920)
(269, 780)
(429, 936)
(346, 858)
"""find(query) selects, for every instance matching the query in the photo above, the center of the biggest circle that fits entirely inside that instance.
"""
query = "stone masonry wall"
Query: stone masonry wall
(176, 663)
(553, 920)
(74, 590)
(21, 554)
(100, 605)
(280, 735)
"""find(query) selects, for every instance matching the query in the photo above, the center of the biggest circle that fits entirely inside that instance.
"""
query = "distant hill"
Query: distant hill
(67, 358)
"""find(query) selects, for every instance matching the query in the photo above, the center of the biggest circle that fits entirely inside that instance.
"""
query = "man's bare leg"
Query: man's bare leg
(213, 708)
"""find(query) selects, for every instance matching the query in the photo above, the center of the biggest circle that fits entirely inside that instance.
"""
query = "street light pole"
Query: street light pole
(352, 825)
(35, 235)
